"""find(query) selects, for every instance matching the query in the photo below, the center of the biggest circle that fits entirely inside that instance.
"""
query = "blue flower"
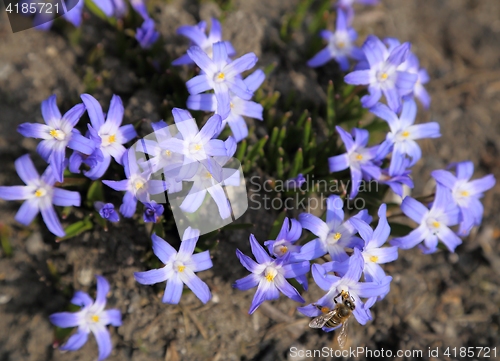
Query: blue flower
(349, 282)
(91, 318)
(109, 135)
(290, 232)
(334, 235)
(412, 65)
(146, 35)
(58, 133)
(152, 211)
(39, 194)
(179, 269)
(340, 45)
(433, 223)
(295, 183)
(107, 211)
(404, 133)
(210, 177)
(269, 275)
(383, 75)
(466, 193)
(220, 74)
(359, 159)
(196, 33)
(373, 253)
(194, 144)
(396, 182)
(239, 107)
(137, 186)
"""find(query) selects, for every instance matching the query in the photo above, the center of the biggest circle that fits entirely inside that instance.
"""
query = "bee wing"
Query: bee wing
(342, 337)
(320, 321)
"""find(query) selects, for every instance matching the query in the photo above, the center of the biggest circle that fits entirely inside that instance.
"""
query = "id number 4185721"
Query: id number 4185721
(34, 8)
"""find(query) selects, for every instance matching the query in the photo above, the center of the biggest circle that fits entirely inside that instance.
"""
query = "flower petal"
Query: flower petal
(76, 341)
(66, 198)
(162, 249)
(103, 339)
(102, 291)
(50, 112)
(66, 319)
(173, 291)
(94, 110)
(258, 251)
(195, 284)
(247, 282)
(82, 299)
(413, 209)
(152, 277)
(112, 317)
(314, 224)
(52, 221)
(25, 169)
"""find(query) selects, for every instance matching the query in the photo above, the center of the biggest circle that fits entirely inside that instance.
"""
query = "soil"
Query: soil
(440, 301)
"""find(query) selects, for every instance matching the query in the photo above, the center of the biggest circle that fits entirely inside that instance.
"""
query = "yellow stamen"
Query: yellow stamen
(359, 157)
(283, 249)
(208, 175)
(405, 133)
(181, 268)
(341, 45)
(337, 236)
(95, 318)
(374, 259)
(112, 139)
(435, 224)
(168, 153)
(138, 185)
(197, 147)
(464, 193)
(40, 192)
(221, 76)
(269, 277)
(57, 134)
(384, 76)
(231, 105)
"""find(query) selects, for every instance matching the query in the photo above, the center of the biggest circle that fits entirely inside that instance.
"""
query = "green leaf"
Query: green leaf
(95, 193)
(302, 119)
(76, 229)
(275, 229)
(307, 135)
(330, 107)
(242, 148)
(298, 162)
(5, 233)
(279, 167)
(257, 148)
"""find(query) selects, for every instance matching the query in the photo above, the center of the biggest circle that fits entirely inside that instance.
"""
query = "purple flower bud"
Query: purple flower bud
(107, 211)
(152, 211)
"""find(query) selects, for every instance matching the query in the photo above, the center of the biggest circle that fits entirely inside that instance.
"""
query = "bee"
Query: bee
(334, 317)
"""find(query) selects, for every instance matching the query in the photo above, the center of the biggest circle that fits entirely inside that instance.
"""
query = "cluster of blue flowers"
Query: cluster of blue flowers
(182, 153)
(220, 73)
(155, 165)
(356, 251)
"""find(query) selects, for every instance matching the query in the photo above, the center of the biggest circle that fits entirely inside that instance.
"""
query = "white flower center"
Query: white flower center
(57, 134)
(220, 77)
(270, 273)
(107, 139)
